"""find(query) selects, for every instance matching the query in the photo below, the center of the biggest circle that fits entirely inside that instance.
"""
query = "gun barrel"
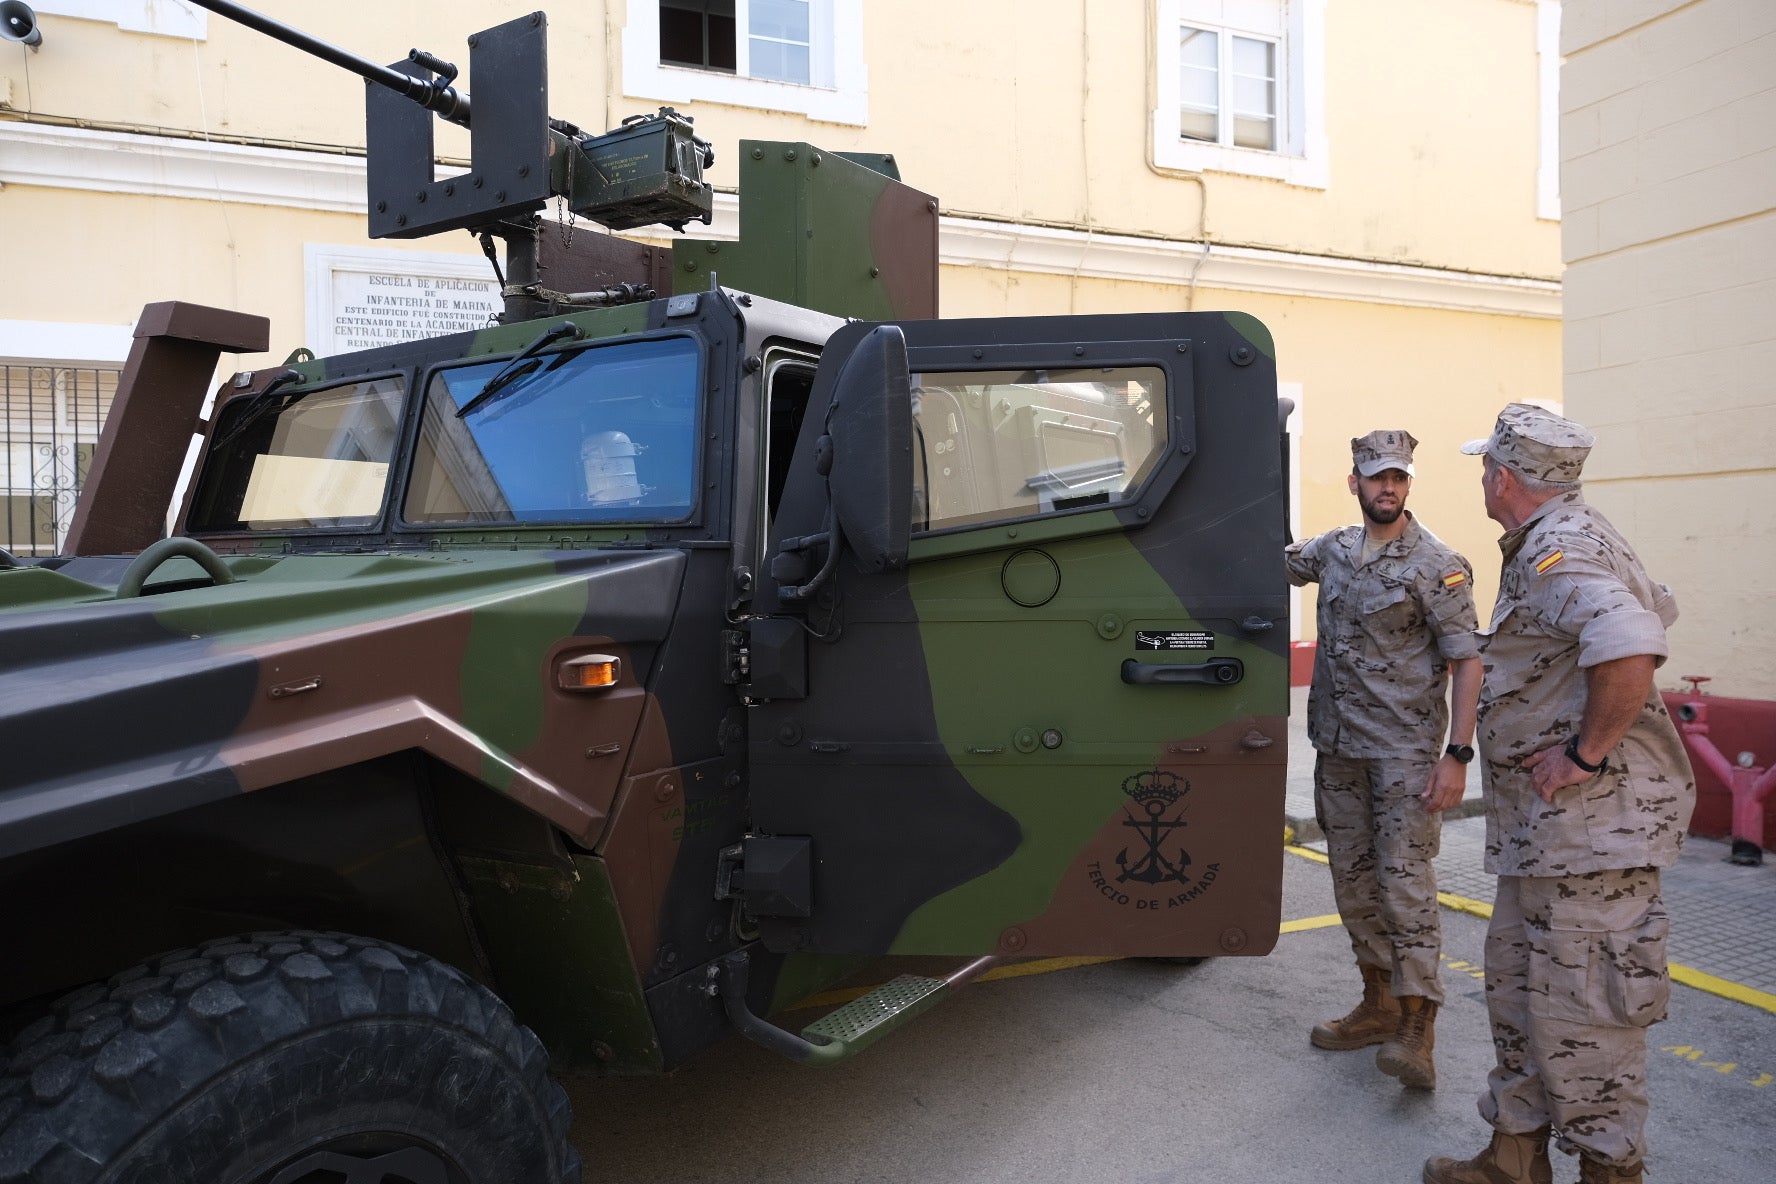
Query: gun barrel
(448, 102)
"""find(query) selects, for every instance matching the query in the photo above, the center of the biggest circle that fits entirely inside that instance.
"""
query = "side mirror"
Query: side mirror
(871, 425)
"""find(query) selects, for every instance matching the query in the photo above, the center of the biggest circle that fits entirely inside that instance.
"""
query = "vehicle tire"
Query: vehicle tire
(283, 1058)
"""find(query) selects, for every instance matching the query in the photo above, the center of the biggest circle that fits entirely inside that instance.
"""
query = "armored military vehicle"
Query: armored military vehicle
(621, 673)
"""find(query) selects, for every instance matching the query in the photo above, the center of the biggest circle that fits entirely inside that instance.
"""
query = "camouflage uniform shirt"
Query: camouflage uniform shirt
(1388, 629)
(1573, 595)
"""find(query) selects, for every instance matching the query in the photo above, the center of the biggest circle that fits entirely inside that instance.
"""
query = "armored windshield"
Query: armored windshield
(602, 434)
(303, 460)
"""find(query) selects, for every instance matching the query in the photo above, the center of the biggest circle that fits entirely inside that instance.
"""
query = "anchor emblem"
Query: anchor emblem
(1155, 792)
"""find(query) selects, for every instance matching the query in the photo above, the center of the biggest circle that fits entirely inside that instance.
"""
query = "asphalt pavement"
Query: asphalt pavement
(1138, 1072)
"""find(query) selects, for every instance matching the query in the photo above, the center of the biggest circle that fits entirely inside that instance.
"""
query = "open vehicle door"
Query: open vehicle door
(1037, 702)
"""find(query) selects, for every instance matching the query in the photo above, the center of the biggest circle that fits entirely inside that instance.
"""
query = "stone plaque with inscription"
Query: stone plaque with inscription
(384, 308)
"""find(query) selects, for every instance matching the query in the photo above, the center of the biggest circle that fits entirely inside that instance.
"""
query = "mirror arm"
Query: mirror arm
(808, 589)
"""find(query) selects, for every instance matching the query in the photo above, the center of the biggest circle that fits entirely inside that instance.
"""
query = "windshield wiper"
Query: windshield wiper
(259, 404)
(525, 363)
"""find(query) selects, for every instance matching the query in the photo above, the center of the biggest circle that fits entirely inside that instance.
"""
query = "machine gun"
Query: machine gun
(647, 171)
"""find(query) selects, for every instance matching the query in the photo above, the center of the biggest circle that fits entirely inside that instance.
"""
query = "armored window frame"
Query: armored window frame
(1052, 454)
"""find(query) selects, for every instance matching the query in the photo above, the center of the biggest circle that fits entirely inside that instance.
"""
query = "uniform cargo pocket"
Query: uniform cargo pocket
(1601, 963)
(1633, 966)
(1561, 966)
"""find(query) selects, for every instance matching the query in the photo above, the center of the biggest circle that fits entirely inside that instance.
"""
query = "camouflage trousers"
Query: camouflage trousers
(1575, 971)
(1380, 841)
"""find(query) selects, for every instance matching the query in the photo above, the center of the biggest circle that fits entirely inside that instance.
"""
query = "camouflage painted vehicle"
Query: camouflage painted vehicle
(623, 676)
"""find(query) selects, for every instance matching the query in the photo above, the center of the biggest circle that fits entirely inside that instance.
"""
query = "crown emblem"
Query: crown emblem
(1156, 786)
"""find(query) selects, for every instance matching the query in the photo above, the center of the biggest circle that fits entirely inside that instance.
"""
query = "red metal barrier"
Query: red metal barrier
(1732, 745)
(1301, 663)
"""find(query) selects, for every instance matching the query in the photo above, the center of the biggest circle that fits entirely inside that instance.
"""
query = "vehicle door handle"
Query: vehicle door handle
(1216, 672)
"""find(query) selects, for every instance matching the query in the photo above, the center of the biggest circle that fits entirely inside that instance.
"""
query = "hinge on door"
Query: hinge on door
(772, 875)
(741, 591)
(736, 659)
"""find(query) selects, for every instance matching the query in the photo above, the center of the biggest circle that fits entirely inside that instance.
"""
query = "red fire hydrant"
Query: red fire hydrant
(1749, 784)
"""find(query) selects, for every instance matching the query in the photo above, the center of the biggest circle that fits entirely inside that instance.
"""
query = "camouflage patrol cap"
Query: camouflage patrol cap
(1379, 451)
(1536, 443)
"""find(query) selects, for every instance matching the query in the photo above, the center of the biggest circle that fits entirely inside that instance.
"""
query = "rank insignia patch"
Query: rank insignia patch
(1548, 560)
(1455, 579)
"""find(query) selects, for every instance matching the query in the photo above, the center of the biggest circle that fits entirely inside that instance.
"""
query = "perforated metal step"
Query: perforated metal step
(864, 1021)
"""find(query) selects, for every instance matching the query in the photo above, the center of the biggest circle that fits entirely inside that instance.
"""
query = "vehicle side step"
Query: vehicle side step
(841, 1033)
(862, 1022)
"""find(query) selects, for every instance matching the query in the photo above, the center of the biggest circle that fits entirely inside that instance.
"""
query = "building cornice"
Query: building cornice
(75, 158)
(1064, 251)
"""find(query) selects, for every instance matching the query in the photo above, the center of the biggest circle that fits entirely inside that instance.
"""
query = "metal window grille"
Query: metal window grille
(50, 419)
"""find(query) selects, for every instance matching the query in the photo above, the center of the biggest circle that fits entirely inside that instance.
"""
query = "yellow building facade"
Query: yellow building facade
(1375, 179)
(1669, 146)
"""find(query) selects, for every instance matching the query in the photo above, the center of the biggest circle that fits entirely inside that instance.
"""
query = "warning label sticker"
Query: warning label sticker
(1175, 640)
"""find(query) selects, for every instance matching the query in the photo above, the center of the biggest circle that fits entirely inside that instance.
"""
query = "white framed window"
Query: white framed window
(803, 56)
(771, 40)
(1241, 88)
(1227, 88)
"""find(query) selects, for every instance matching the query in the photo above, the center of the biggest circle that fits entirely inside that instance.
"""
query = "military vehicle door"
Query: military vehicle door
(1059, 726)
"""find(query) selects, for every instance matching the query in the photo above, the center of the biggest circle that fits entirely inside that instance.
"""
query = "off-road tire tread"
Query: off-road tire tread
(79, 1086)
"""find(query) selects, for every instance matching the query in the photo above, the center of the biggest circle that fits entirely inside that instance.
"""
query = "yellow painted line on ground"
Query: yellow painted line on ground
(1041, 966)
(1689, 976)
(1462, 904)
(1324, 922)
(1018, 970)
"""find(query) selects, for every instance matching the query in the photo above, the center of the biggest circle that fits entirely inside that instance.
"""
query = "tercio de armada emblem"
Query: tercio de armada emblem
(1155, 792)
(1154, 855)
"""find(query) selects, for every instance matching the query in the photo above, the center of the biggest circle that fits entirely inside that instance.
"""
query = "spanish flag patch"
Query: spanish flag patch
(1548, 560)
(1455, 579)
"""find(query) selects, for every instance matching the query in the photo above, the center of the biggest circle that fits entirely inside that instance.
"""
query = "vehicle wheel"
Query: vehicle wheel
(283, 1058)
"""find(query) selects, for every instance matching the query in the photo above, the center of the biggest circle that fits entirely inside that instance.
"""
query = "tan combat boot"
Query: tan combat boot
(1592, 1172)
(1508, 1159)
(1370, 1022)
(1407, 1054)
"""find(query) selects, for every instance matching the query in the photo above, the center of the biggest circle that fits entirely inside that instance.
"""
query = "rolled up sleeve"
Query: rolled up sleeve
(1622, 634)
(1301, 561)
(1451, 611)
(1456, 646)
(1590, 602)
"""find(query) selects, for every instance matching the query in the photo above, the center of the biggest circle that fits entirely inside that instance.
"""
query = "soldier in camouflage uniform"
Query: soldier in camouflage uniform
(1588, 794)
(1396, 621)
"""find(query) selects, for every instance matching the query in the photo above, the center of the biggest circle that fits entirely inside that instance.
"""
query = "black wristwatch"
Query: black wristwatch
(1572, 754)
(1461, 752)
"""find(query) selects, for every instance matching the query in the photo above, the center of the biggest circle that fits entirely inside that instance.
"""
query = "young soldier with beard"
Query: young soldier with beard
(1396, 623)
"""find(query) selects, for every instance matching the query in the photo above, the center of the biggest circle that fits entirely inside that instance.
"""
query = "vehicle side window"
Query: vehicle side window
(990, 446)
(308, 460)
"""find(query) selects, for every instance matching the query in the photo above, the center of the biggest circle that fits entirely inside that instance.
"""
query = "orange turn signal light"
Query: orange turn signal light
(589, 672)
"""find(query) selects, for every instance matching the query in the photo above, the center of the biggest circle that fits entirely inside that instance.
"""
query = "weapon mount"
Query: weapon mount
(647, 171)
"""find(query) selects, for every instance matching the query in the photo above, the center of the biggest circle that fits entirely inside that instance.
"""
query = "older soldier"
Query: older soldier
(1588, 794)
(1396, 617)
